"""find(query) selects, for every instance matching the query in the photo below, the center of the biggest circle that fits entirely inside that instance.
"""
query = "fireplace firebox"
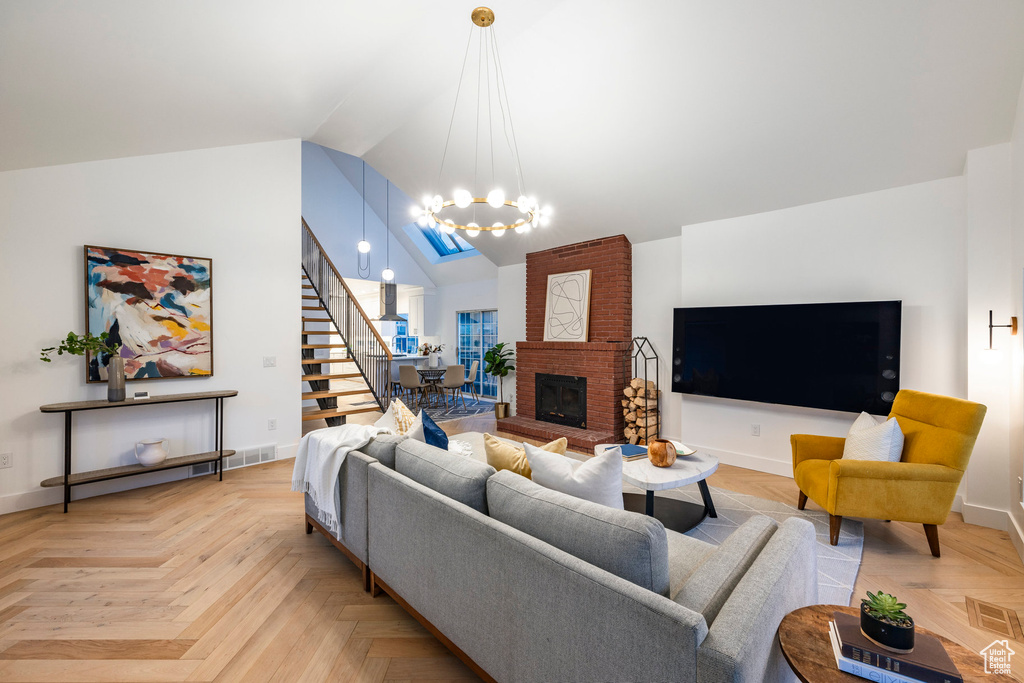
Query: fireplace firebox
(561, 399)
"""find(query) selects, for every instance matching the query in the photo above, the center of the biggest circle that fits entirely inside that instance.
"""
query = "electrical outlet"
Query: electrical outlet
(270, 361)
(271, 425)
(6, 460)
(755, 430)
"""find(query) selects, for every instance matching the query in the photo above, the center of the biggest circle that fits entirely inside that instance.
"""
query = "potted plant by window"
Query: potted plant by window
(883, 621)
(498, 363)
(104, 348)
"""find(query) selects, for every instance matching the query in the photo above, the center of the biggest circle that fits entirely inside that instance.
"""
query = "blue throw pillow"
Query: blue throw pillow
(434, 435)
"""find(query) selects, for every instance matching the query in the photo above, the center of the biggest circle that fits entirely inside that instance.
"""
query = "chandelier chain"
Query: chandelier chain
(514, 144)
(455, 108)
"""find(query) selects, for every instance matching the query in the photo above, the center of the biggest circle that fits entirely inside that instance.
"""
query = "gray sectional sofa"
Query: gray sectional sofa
(528, 584)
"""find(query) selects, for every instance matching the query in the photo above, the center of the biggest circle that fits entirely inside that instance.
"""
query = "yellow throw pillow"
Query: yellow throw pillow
(404, 418)
(505, 456)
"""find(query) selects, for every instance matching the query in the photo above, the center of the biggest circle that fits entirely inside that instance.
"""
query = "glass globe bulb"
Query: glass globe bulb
(415, 211)
(422, 221)
(522, 228)
(522, 202)
(496, 199)
(463, 198)
(497, 233)
(363, 247)
(431, 221)
(438, 203)
(536, 220)
(448, 226)
(387, 274)
(547, 211)
(472, 229)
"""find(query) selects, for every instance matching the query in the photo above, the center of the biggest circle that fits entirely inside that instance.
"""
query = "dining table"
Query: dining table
(432, 377)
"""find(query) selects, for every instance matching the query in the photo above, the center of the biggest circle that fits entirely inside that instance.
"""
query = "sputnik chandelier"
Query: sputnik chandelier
(489, 70)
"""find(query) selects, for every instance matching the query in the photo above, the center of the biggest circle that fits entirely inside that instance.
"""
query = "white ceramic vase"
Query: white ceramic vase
(151, 452)
(432, 360)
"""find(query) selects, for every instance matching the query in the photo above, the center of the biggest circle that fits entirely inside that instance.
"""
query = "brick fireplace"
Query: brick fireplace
(599, 361)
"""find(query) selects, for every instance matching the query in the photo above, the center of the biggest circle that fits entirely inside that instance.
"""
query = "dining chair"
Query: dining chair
(410, 380)
(454, 378)
(471, 381)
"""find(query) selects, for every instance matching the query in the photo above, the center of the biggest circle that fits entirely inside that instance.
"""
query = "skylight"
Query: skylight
(437, 246)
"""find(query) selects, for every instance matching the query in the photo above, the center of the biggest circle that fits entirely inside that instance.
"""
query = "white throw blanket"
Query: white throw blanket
(318, 462)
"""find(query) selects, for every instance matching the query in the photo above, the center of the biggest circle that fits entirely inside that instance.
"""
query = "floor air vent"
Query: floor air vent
(250, 456)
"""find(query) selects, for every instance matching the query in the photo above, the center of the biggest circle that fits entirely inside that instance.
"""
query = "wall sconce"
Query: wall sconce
(1012, 326)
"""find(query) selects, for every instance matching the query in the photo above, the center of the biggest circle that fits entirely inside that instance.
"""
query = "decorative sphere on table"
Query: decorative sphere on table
(661, 452)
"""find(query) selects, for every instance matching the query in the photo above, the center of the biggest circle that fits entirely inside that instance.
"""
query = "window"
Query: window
(446, 245)
(403, 343)
(478, 332)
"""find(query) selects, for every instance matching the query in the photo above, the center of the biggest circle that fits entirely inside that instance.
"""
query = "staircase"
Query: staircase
(343, 355)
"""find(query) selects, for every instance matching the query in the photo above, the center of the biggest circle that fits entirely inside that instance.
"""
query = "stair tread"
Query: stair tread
(323, 346)
(338, 375)
(321, 332)
(310, 296)
(308, 287)
(338, 412)
(307, 319)
(315, 361)
(313, 308)
(313, 395)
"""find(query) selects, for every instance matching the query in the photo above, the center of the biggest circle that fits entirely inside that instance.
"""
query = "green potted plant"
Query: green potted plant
(101, 346)
(883, 621)
(498, 363)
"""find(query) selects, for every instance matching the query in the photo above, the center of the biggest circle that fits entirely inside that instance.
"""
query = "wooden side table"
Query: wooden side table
(803, 636)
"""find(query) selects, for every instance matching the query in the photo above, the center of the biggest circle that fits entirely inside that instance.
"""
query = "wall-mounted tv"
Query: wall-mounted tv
(842, 356)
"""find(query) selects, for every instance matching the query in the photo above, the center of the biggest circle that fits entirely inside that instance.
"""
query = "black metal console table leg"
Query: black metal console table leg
(220, 437)
(67, 460)
(706, 495)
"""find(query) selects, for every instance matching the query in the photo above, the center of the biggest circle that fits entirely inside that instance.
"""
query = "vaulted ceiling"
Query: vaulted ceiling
(632, 117)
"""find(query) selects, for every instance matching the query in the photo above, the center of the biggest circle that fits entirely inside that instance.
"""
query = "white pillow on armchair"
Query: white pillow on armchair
(598, 479)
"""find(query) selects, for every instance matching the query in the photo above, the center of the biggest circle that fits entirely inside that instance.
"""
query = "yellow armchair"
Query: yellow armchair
(939, 433)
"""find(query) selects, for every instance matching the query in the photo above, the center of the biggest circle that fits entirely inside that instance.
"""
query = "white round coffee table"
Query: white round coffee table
(675, 514)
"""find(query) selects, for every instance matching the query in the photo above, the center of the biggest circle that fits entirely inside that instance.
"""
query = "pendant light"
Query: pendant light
(387, 275)
(363, 247)
(489, 69)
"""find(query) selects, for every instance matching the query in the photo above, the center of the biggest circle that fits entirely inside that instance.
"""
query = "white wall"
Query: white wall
(656, 291)
(1016, 279)
(906, 243)
(440, 311)
(512, 315)
(989, 287)
(333, 208)
(238, 205)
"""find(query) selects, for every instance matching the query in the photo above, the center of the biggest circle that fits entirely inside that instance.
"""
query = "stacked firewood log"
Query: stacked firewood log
(640, 410)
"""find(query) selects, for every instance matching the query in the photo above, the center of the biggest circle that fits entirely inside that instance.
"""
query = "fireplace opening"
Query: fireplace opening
(561, 399)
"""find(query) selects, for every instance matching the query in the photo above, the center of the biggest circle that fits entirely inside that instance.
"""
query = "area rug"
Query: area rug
(837, 566)
(444, 413)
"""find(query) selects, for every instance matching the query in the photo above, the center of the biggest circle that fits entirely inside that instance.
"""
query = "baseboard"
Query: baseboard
(16, 502)
(1017, 533)
(750, 462)
(983, 516)
(958, 504)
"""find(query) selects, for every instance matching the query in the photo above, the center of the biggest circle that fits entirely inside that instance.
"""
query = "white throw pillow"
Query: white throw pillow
(387, 420)
(416, 430)
(598, 479)
(870, 440)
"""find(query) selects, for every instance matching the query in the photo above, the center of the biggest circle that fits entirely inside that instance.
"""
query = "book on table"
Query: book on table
(631, 452)
(928, 663)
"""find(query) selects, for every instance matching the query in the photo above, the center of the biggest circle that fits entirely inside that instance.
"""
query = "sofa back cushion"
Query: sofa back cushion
(382, 448)
(459, 478)
(711, 584)
(627, 544)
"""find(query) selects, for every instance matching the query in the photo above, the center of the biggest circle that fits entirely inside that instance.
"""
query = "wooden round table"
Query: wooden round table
(803, 636)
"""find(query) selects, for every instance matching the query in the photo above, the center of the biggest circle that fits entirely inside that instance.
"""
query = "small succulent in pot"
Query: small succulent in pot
(883, 621)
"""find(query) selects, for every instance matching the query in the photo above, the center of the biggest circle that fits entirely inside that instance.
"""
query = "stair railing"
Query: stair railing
(363, 342)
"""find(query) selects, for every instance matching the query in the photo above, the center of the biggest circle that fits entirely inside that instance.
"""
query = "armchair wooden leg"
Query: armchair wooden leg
(932, 532)
(834, 522)
(802, 503)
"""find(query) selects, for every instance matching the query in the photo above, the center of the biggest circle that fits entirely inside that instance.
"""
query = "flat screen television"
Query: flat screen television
(842, 356)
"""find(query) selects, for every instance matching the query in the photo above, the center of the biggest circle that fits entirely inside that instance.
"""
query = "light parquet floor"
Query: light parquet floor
(202, 580)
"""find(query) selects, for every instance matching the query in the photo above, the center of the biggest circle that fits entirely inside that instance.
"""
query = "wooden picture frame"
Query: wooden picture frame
(160, 306)
(567, 307)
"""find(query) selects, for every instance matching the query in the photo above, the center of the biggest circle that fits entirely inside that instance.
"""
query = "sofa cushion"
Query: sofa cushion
(382, 448)
(710, 585)
(459, 478)
(599, 479)
(627, 544)
(685, 554)
(502, 455)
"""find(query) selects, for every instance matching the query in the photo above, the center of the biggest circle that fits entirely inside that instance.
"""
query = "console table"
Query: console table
(215, 456)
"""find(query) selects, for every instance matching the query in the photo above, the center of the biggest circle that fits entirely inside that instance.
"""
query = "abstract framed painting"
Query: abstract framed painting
(567, 307)
(158, 306)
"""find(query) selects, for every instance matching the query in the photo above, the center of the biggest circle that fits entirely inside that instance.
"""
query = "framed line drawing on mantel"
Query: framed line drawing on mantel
(567, 307)
(158, 306)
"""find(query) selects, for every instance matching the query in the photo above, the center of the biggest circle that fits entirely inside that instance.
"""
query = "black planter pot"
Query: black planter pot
(889, 636)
